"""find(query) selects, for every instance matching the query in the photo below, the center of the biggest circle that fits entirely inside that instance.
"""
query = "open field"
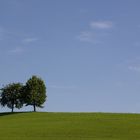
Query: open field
(69, 126)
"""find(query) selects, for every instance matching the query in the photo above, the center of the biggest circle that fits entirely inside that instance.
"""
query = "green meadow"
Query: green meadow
(69, 126)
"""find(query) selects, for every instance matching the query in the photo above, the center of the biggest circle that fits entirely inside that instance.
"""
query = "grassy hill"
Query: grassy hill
(69, 126)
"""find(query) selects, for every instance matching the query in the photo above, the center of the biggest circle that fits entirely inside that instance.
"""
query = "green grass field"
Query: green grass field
(69, 126)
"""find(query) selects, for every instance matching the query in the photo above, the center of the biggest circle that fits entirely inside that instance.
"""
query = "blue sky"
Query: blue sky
(87, 51)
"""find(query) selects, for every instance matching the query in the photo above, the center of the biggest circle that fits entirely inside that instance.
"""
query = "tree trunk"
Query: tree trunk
(12, 106)
(34, 107)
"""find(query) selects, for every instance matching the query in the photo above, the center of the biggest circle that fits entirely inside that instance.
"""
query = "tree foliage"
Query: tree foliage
(15, 95)
(11, 96)
(35, 92)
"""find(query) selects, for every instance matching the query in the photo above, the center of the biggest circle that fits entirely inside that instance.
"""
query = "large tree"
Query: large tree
(35, 92)
(11, 96)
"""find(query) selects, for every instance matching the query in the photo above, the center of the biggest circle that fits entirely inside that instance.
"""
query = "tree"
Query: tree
(35, 92)
(11, 96)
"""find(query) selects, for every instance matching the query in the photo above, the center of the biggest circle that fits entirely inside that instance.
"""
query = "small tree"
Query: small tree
(11, 96)
(35, 92)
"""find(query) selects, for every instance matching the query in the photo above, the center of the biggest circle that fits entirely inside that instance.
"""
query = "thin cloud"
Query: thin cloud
(134, 68)
(96, 33)
(132, 64)
(17, 50)
(85, 36)
(101, 24)
(61, 87)
(29, 40)
(5, 35)
(93, 37)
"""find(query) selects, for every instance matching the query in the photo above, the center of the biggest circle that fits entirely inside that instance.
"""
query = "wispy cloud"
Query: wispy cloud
(18, 40)
(131, 64)
(96, 32)
(134, 68)
(17, 50)
(61, 87)
(29, 40)
(101, 24)
(87, 36)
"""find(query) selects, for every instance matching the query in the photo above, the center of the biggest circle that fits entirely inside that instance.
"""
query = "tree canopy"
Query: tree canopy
(11, 96)
(35, 92)
(15, 95)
